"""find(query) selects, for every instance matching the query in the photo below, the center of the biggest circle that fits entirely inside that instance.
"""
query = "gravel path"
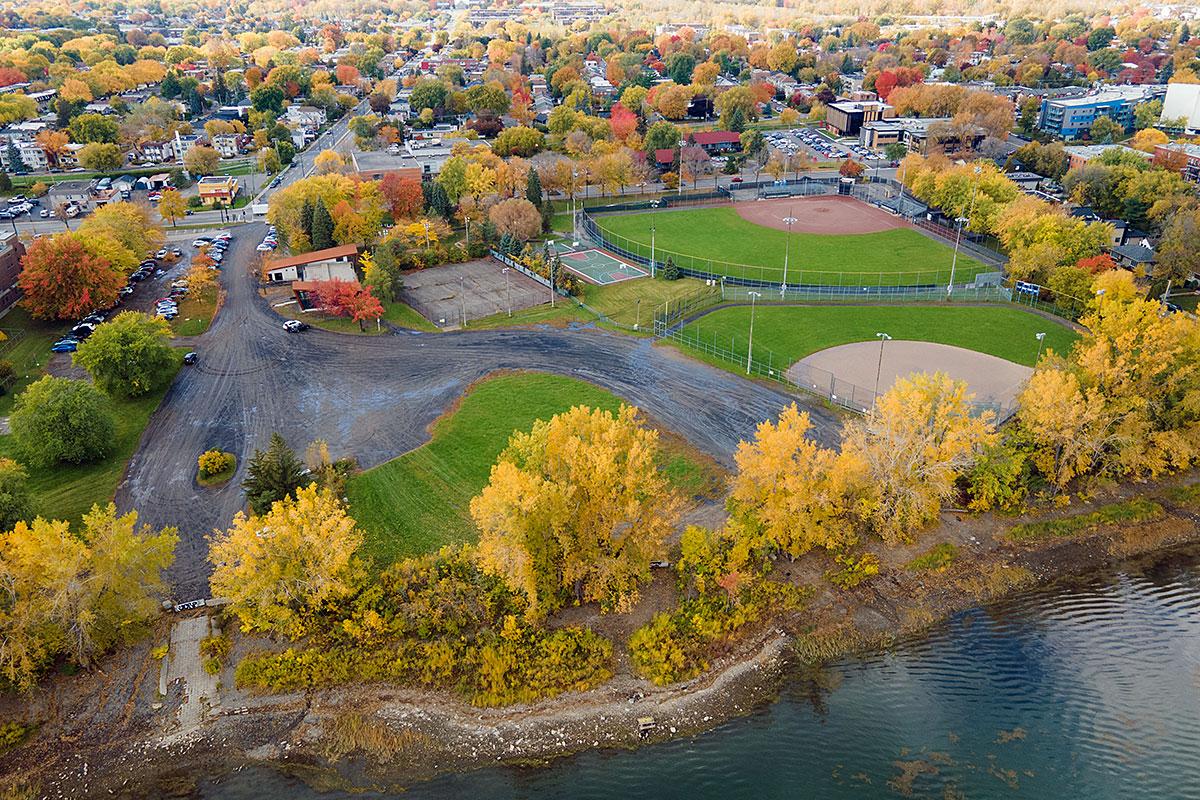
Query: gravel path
(373, 398)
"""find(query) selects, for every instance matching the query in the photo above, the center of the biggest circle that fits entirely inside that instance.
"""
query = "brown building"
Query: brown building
(11, 251)
(846, 118)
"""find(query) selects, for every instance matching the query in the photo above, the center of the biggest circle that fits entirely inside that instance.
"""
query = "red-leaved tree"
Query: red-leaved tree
(404, 195)
(365, 307)
(1097, 264)
(347, 299)
(347, 74)
(622, 121)
(60, 279)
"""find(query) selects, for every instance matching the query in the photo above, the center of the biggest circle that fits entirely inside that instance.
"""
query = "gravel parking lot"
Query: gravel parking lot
(472, 290)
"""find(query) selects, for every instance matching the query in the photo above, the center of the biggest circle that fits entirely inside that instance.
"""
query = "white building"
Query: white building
(1183, 101)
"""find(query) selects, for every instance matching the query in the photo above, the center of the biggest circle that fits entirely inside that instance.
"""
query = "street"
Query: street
(373, 397)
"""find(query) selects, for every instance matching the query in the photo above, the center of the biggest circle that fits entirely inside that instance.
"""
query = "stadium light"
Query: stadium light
(750, 346)
(787, 247)
(1041, 337)
(883, 337)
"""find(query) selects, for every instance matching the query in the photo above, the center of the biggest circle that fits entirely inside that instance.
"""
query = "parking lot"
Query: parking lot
(446, 295)
(811, 142)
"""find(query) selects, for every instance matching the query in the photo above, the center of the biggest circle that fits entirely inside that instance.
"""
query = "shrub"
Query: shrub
(12, 734)
(937, 558)
(670, 270)
(215, 462)
(1128, 512)
(854, 570)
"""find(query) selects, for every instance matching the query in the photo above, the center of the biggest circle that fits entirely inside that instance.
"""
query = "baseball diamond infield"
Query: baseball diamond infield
(989, 378)
(829, 214)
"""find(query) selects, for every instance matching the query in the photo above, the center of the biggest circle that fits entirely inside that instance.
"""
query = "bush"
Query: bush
(854, 570)
(215, 462)
(670, 270)
(63, 421)
(439, 622)
(1126, 513)
(12, 734)
(937, 558)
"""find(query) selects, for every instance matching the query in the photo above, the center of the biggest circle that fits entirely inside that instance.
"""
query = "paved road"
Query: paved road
(373, 398)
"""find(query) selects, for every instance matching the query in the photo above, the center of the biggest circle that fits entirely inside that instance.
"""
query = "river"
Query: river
(1088, 688)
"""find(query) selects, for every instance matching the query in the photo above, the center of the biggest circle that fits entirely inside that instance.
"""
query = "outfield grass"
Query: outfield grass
(792, 332)
(708, 236)
(68, 492)
(617, 301)
(419, 502)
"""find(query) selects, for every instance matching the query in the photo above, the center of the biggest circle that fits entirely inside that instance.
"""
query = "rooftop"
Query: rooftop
(328, 254)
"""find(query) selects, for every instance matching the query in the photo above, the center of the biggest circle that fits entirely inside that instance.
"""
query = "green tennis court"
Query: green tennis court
(600, 268)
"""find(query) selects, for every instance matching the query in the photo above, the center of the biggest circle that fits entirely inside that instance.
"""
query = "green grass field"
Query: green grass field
(67, 492)
(793, 332)
(28, 348)
(708, 236)
(419, 502)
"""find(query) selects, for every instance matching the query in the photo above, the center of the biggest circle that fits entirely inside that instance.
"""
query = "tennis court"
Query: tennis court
(598, 267)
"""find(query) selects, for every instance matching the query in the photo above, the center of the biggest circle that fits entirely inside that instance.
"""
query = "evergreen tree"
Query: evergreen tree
(272, 475)
(322, 227)
(533, 188)
(439, 201)
(737, 120)
(169, 87)
(306, 219)
(5, 182)
(15, 163)
(670, 270)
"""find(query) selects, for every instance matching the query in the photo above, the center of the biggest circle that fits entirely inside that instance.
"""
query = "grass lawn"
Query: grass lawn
(617, 301)
(196, 313)
(791, 333)
(406, 316)
(28, 349)
(66, 491)
(419, 502)
(706, 236)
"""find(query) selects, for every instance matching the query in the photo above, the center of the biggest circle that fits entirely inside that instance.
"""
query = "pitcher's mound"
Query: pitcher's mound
(990, 378)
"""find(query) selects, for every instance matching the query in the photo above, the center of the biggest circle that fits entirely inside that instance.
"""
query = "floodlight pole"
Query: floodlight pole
(750, 345)
(652, 229)
(462, 282)
(508, 290)
(787, 248)
(1041, 337)
(958, 236)
(883, 337)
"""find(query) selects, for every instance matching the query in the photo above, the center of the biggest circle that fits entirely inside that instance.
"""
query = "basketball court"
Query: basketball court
(597, 266)
(829, 213)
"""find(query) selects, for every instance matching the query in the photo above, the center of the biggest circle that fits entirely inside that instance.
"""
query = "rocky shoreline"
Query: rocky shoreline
(381, 737)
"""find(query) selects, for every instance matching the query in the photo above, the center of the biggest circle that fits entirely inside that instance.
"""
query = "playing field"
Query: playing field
(600, 268)
(791, 333)
(719, 240)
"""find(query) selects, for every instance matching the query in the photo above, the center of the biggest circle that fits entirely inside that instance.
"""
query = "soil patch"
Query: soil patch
(824, 214)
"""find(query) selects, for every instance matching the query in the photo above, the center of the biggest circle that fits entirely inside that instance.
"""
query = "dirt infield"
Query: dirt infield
(990, 379)
(832, 214)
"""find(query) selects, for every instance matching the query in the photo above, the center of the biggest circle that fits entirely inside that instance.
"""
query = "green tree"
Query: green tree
(88, 128)
(267, 98)
(16, 502)
(533, 188)
(272, 475)
(662, 135)
(670, 270)
(680, 67)
(101, 157)
(62, 421)
(322, 227)
(1105, 130)
(5, 182)
(439, 201)
(429, 93)
(129, 355)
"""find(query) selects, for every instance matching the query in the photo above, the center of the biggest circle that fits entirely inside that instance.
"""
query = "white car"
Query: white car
(263, 248)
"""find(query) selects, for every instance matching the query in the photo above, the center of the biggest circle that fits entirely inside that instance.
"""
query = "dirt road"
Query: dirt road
(373, 397)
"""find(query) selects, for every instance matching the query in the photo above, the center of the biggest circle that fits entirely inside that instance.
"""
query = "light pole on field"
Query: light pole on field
(789, 220)
(750, 345)
(507, 290)
(652, 229)
(883, 337)
(962, 220)
(1041, 338)
(462, 283)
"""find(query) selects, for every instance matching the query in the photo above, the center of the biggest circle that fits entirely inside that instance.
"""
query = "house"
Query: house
(713, 142)
(1028, 181)
(11, 252)
(331, 264)
(228, 145)
(1072, 117)
(214, 188)
(1134, 256)
(919, 135)
(64, 192)
(310, 116)
(846, 118)
(156, 152)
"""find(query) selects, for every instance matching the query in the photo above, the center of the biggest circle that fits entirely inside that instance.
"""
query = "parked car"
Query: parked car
(66, 345)
(264, 248)
(83, 330)
(295, 326)
(200, 241)
(191, 358)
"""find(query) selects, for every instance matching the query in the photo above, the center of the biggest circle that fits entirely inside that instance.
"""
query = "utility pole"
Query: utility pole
(883, 337)
(462, 282)
(652, 229)
(750, 345)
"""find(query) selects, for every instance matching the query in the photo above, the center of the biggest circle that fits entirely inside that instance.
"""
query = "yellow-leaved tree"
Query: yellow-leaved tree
(576, 506)
(797, 492)
(913, 444)
(76, 594)
(1070, 426)
(275, 568)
